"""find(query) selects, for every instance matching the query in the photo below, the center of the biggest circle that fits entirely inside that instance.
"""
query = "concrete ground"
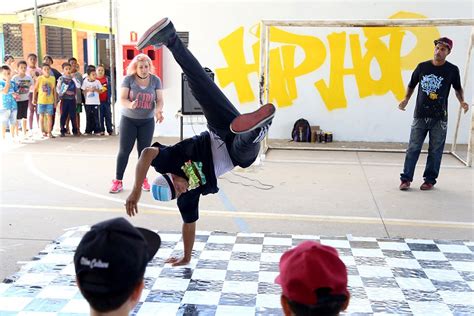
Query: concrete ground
(51, 185)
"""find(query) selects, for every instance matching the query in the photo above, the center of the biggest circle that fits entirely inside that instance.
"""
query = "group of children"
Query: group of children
(42, 91)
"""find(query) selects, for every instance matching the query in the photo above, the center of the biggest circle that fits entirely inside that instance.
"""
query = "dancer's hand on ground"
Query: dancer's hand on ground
(177, 261)
(159, 116)
(131, 203)
(403, 105)
(465, 106)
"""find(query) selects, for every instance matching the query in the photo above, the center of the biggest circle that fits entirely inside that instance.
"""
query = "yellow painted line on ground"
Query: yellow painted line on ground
(163, 210)
(261, 215)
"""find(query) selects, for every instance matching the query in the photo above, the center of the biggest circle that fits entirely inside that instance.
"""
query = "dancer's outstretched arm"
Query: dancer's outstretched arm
(146, 157)
(189, 234)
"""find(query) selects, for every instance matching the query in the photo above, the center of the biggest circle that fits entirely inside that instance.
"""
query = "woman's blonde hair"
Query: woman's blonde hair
(132, 67)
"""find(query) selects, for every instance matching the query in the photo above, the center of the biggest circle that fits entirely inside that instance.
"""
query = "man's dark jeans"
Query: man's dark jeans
(218, 110)
(420, 127)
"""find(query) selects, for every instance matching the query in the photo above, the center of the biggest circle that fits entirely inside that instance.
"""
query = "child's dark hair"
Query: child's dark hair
(32, 55)
(71, 59)
(48, 57)
(22, 62)
(7, 57)
(90, 69)
(328, 309)
(108, 303)
(5, 67)
(65, 64)
(328, 305)
(45, 65)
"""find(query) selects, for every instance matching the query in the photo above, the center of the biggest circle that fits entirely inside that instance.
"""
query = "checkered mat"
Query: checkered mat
(233, 274)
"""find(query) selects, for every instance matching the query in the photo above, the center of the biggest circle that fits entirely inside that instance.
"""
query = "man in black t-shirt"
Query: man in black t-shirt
(435, 77)
(191, 167)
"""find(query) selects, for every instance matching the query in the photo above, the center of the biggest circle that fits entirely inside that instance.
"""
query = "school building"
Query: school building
(347, 80)
(67, 29)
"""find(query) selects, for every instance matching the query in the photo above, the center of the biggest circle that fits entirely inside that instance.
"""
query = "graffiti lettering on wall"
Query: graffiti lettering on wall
(382, 46)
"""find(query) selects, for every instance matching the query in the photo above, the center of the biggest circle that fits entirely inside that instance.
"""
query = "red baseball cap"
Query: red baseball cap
(308, 267)
(444, 41)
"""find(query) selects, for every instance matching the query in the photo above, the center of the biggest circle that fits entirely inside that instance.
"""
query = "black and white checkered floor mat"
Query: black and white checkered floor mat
(233, 274)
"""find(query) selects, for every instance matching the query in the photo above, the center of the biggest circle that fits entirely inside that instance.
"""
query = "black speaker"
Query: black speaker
(189, 104)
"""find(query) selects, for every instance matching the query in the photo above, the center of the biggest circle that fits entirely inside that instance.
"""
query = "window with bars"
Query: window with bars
(13, 39)
(58, 42)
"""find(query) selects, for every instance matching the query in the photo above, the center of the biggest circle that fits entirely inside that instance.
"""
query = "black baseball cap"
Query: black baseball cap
(111, 258)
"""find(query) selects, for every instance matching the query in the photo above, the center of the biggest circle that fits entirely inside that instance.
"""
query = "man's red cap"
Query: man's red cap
(444, 41)
(309, 267)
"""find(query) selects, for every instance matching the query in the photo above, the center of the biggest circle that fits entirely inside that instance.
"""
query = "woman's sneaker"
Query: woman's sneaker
(145, 185)
(116, 186)
(157, 35)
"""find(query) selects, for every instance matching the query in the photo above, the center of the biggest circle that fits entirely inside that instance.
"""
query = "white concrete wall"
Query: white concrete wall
(363, 118)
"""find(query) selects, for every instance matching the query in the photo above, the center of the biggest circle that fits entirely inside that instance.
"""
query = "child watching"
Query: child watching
(66, 90)
(23, 82)
(9, 60)
(78, 76)
(45, 97)
(34, 71)
(313, 280)
(8, 107)
(104, 96)
(92, 87)
(110, 263)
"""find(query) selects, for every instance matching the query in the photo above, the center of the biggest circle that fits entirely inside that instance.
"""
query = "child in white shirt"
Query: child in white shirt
(92, 87)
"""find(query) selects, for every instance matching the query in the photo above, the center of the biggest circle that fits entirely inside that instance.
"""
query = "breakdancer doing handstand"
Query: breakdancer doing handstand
(191, 167)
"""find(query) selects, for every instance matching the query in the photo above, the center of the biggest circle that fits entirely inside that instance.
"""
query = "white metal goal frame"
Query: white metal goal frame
(263, 84)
